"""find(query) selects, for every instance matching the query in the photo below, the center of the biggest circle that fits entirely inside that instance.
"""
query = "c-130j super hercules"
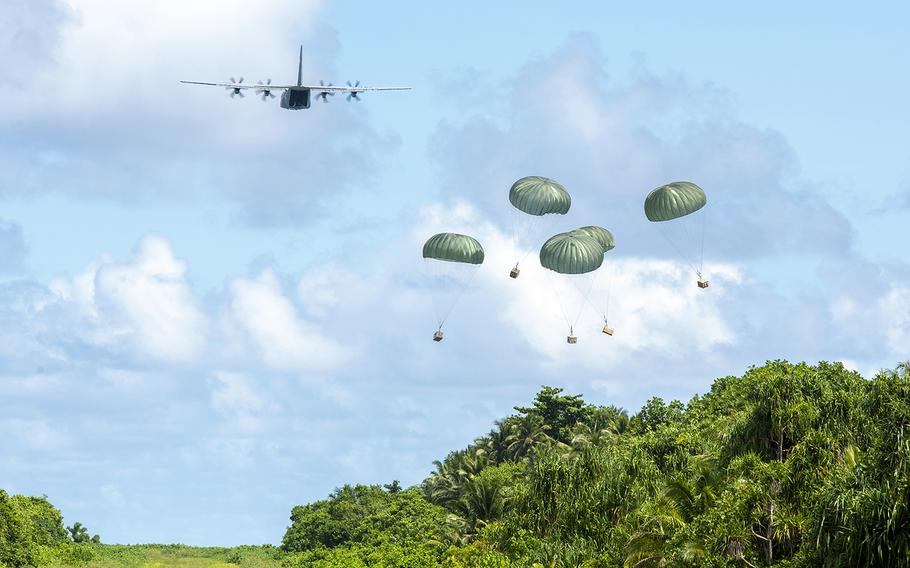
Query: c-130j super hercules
(299, 96)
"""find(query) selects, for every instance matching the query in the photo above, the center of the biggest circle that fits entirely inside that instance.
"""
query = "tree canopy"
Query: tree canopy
(791, 465)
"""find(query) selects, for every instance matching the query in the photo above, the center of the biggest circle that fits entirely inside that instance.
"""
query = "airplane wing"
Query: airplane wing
(358, 89)
(318, 88)
(241, 86)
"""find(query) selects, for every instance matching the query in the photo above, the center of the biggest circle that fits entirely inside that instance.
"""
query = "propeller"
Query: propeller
(325, 94)
(353, 94)
(235, 91)
(264, 90)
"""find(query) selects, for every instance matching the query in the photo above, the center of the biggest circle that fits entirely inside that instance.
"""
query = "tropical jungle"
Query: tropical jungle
(787, 465)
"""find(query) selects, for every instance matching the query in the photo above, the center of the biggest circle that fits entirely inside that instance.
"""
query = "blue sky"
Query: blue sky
(212, 310)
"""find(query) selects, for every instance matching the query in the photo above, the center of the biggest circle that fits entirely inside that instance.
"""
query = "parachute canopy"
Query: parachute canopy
(674, 200)
(536, 195)
(571, 253)
(601, 235)
(453, 247)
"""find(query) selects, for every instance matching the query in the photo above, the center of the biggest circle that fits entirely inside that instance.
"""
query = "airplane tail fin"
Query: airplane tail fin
(300, 68)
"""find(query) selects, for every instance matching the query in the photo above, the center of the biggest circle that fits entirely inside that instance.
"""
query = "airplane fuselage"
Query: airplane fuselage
(299, 96)
(296, 98)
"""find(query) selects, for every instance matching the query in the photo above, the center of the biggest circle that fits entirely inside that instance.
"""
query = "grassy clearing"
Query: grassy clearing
(163, 556)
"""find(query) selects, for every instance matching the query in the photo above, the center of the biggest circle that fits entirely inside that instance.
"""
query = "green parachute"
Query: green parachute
(453, 247)
(574, 257)
(601, 235)
(535, 200)
(537, 195)
(574, 252)
(675, 209)
(451, 260)
(674, 200)
(602, 287)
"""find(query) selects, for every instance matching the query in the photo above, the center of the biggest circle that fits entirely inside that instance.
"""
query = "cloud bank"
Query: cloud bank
(610, 141)
(107, 119)
(163, 399)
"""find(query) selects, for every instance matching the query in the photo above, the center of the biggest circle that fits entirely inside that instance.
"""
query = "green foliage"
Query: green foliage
(79, 534)
(28, 526)
(43, 520)
(655, 414)
(384, 554)
(74, 554)
(791, 465)
(365, 525)
(862, 516)
(159, 556)
(18, 546)
(489, 495)
(559, 413)
(475, 556)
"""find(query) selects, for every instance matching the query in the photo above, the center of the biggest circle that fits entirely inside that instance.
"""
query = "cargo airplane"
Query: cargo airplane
(299, 96)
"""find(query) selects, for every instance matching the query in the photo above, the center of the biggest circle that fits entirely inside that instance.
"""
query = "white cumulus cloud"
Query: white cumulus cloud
(272, 323)
(146, 303)
(241, 401)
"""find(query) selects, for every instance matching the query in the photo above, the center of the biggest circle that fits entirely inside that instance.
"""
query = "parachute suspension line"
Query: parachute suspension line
(428, 273)
(606, 310)
(513, 223)
(455, 301)
(585, 296)
(602, 309)
(530, 230)
(537, 228)
(522, 224)
(445, 280)
(701, 254)
(528, 233)
(551, 280)
(669, 238)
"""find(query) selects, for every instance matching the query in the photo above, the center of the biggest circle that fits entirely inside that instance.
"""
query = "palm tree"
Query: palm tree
(498, 440)
(445, 485)
(597, 432)
(530, 432)
(659, 519)
(482, 500)
(677, 505)
(453, 533)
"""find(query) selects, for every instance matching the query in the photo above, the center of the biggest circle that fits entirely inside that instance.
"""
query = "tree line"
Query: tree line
(32, 532)
(789, 465)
